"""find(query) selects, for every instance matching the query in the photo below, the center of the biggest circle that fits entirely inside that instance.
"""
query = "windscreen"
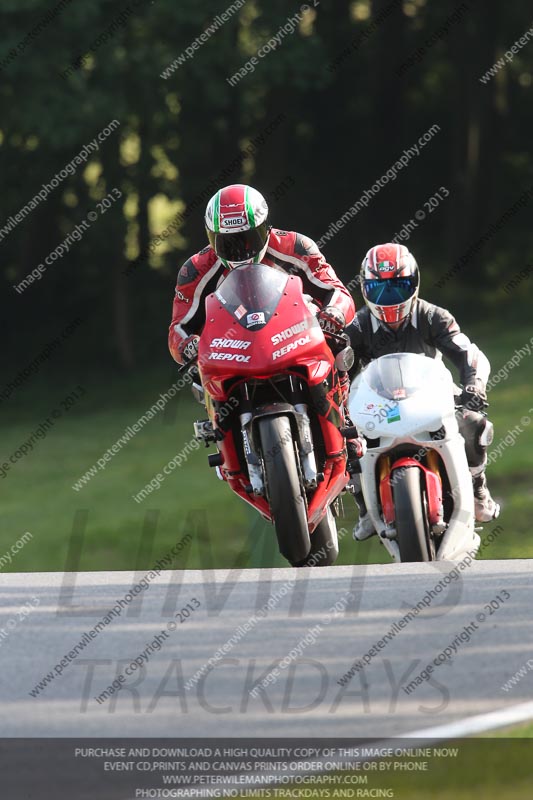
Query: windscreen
(399, 375)
(251, 294)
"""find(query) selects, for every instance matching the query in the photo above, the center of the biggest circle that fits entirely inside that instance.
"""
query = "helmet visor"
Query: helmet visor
(240, 246)
(389, 291)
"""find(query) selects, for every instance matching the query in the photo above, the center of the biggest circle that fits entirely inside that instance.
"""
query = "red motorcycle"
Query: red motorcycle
(271, 387)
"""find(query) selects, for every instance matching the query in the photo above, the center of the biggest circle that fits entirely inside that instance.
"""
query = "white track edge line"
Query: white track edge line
(468, 726)
(479, 723)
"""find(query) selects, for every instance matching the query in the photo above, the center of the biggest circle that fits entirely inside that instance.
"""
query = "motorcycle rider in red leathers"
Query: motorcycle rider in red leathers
(396, 320)
(239, 233)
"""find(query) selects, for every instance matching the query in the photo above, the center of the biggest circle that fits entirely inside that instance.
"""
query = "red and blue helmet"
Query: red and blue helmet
(236, 221)
(389, 282)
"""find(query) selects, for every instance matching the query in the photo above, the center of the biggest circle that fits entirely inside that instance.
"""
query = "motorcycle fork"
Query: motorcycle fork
(383, 467)
(432, 464)
(432, 461)
(297, 410)
(385, 493)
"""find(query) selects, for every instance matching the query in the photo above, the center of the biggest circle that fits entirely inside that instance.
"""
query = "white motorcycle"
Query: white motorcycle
(414, 476)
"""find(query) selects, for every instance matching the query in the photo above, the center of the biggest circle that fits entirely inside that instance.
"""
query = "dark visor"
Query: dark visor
(239, 246)
(389, 291)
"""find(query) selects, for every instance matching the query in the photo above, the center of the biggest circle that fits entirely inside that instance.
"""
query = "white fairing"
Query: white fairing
(401, 399)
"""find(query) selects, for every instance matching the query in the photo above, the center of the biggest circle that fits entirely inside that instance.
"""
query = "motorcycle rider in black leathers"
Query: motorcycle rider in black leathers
(395, 320)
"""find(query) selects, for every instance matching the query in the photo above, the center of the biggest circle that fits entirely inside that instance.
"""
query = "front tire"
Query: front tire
(412, 526)
(285, 494)
(324, 543)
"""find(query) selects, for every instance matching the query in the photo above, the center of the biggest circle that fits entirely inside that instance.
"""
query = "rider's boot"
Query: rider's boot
(486, 509)
(365, 527)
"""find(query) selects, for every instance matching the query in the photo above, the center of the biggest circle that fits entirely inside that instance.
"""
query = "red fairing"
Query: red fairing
(288, 251)
(228, 350)
(335, 479)
(241, 343)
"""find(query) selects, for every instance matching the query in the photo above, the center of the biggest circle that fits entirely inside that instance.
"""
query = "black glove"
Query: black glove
(355, 441)
(188, 348)
(474, 398)
(331, 320)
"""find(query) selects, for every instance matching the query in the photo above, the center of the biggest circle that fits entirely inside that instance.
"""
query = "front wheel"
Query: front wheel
(324, 543)
(286, 496)
(412, 527)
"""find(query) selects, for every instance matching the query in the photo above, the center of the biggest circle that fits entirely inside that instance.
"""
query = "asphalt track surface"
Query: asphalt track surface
(305, 699)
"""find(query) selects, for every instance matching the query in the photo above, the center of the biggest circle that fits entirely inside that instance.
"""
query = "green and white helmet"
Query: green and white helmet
(236, 221)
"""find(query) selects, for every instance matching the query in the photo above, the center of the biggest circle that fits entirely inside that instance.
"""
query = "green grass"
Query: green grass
(481, 768)
(524, 731)
(36, 495)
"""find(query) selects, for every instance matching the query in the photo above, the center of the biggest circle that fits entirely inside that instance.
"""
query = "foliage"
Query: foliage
(349, 115)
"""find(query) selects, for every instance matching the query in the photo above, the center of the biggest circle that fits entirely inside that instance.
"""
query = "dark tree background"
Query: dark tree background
(349, 110)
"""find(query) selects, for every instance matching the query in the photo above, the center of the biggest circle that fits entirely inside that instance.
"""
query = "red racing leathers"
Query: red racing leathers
(287, 250)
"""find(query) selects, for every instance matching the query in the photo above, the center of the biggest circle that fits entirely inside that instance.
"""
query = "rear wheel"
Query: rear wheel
(412, 525)
(324, 543)
(285, 494)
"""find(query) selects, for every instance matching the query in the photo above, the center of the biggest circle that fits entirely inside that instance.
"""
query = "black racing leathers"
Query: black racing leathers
(430, 331)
